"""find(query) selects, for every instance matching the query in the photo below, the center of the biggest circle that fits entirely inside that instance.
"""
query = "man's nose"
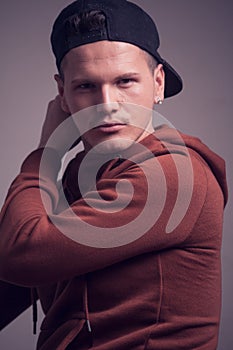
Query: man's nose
(108, 99)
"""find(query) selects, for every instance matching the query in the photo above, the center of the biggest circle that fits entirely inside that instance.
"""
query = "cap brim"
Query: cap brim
(173, 82)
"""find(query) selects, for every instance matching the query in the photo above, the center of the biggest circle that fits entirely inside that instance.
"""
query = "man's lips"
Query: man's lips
(110, 127)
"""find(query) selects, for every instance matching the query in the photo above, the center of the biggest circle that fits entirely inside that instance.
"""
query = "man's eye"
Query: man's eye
(126, 82)
(85, 86)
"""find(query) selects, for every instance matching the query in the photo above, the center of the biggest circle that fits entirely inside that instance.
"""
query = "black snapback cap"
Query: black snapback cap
(125, 22)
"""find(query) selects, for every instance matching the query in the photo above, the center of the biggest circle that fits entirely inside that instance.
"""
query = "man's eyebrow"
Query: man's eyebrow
(128, 75)
(81, 80)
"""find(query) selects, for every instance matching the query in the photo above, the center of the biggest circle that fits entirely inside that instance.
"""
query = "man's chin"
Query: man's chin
(113, 146)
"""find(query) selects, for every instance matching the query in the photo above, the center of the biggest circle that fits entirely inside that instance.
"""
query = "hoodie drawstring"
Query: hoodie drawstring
(34, 308)
(85, 306)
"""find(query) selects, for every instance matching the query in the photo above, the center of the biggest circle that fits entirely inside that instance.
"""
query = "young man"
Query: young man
(127, 254)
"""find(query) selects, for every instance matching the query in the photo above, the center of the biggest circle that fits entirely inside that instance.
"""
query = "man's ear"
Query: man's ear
(159, 79)
(60, 87)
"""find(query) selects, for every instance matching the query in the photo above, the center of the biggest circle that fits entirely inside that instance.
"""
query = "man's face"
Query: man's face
(108, 77)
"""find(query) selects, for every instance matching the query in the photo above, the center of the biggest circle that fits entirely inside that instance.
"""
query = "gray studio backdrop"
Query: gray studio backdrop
(196, 37)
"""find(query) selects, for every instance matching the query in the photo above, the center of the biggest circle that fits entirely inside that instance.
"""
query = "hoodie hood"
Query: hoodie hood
(217, 165)
(164, 140)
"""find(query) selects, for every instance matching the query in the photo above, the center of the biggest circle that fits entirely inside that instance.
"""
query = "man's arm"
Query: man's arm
(34, 251)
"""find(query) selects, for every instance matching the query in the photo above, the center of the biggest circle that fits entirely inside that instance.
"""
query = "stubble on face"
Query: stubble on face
(110, 83)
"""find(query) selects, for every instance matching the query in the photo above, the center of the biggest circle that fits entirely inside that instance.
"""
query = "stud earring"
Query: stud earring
(159, 101)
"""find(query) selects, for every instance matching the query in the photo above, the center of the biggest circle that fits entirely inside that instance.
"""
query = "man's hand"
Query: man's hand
(62, 136)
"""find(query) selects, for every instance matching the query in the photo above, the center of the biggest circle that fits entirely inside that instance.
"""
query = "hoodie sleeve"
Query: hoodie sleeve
(124, 210)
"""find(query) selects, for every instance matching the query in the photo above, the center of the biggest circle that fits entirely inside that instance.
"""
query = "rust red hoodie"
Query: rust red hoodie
(147, 283)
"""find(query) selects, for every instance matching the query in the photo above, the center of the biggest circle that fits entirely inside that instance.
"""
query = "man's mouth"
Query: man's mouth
(110, 127)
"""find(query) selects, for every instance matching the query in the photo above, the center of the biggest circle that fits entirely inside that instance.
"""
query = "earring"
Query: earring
(159, 101)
